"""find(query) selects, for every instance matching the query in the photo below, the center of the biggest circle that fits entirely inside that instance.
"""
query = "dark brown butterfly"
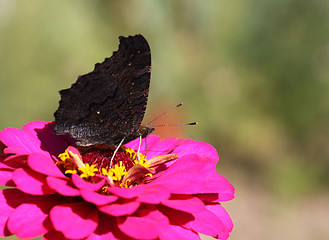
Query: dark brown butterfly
(108, 104)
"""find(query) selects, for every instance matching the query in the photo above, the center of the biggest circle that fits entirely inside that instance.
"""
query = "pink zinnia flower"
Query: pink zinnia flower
(62, 193)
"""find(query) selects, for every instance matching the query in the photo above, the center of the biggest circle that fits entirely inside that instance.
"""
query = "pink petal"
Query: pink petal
(120, 208)
(174, 232)
(185, 140)
(19, 141)
(199, 148)
(187, 175)
(35, 125)
(101, 236)
(149, 193)
(2, 147)
(191, 163)
(222, 214)
(75, 220)
(6, 210)
(207, 223)
(127, 193)
(181, 182)
(107, 236)
(82, 184)
(107, 229)
(6, 173)
(219, 184)
(153, 194)
(16, 161)
(15, 150)
(96, 198)
(207, 197)
(50, 142)
(11, 199)
(31, 182)
(223, 236)
(53, 234)
(35, 136)
(162, 147)
(176, 217)
(63, 186)
(185, 203)
(44, 164)
(147, 224)
(29, 220)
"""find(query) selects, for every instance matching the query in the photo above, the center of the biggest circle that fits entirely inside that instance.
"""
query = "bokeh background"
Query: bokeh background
(254, 74)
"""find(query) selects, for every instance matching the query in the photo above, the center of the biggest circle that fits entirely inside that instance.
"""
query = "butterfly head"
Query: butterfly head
(144, 131)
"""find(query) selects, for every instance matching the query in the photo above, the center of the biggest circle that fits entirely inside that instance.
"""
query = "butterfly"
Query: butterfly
(107, 105)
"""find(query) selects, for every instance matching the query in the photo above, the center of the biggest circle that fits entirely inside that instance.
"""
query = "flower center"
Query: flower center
(101, 155)
(126, 169)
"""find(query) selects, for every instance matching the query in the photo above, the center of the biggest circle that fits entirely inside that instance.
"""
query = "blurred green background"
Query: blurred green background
(254, 74)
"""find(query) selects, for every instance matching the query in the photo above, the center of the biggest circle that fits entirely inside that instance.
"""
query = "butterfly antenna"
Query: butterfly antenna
(139, 146)
(115, 151)
(178, 105)
(174, 125)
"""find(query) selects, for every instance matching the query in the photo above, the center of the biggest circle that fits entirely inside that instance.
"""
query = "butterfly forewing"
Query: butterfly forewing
(108, 104)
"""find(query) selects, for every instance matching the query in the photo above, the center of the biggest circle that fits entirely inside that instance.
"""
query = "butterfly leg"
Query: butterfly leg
(139, 146)
(145, 147)
(115, 151)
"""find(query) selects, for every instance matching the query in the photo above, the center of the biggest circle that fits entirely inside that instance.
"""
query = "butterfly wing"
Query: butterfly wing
(108, 104)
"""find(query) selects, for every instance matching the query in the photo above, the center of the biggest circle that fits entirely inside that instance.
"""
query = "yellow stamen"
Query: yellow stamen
(88, 171)
(117, 172)
(66, 163)
(129, 151)
(64, 156)
(125, 184)
(149, 174)
(141, 160)
(70, 171)
(104, 171)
